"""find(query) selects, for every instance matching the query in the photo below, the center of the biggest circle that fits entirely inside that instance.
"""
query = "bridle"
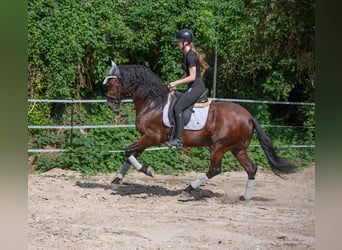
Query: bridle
(115, 99)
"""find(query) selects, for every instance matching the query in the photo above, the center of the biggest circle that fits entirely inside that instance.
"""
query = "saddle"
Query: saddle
(201, 102)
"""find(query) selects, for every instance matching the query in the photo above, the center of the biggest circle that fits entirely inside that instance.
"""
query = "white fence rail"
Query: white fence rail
(214, 99)
(71, 127)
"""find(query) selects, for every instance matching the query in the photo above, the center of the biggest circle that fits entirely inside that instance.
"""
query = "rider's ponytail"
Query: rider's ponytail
(203, 64)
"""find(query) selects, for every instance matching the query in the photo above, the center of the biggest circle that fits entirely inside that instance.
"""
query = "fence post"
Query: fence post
(72, 122)
(215, 76)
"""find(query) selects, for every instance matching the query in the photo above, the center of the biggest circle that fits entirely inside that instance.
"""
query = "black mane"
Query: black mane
(143, 83)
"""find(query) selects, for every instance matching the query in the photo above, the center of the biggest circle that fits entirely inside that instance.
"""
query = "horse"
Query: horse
(229, 127)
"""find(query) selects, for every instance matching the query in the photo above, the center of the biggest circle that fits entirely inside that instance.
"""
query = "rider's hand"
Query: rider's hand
(172, 85)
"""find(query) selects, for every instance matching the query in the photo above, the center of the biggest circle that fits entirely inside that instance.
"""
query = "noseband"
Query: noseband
(115, 99)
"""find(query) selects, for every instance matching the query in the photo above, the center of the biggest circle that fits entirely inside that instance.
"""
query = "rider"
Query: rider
(194, 66)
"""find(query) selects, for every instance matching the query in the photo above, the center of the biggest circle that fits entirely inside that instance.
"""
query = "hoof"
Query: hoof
(242, 198)
(185, 194)
(116, 181)
(150, 171)
(114, 187)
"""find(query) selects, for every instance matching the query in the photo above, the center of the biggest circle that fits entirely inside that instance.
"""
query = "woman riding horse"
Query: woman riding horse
(192, 64)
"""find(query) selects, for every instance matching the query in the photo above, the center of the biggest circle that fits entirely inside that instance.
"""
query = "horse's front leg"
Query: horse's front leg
(132, 152)
(146, 170)
(124, 169)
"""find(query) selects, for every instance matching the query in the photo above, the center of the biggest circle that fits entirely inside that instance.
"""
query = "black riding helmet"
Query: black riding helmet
(185, 35)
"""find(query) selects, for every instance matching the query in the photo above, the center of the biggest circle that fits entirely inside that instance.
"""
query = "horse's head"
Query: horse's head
(114, 87)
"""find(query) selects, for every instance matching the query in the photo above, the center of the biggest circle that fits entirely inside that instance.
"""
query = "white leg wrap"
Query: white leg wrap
(249, 189)
(135, 162)
(196, 183)
(124, 170)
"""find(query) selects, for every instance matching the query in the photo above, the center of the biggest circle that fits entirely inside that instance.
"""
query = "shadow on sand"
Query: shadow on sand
(132, 189)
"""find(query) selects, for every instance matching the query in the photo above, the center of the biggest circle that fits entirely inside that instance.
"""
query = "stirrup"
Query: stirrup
(174, 143)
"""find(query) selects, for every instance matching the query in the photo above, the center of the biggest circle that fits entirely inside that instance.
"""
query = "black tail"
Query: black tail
(278, 164)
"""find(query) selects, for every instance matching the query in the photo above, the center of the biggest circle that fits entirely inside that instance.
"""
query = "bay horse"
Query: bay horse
(229, 127)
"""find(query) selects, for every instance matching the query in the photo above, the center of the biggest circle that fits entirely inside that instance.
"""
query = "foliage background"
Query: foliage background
(265, 51)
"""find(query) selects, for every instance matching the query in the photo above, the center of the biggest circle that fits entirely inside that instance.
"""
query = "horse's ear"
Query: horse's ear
(114, 69)
(114, 65)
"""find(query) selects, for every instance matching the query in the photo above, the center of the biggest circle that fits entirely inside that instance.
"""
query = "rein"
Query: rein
(113, 99)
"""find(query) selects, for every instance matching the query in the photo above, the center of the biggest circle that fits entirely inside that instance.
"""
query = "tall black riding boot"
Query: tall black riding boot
(178, 140)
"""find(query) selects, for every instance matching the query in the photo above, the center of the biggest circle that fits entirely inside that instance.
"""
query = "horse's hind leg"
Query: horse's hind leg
(251, 170)
(216, 156)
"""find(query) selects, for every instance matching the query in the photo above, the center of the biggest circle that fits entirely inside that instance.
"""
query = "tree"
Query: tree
(265, 48)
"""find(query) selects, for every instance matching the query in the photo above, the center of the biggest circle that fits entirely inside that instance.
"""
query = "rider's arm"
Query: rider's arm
(188, 79)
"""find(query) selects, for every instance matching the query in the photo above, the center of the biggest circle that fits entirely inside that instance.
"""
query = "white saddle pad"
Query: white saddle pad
(197, 120)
